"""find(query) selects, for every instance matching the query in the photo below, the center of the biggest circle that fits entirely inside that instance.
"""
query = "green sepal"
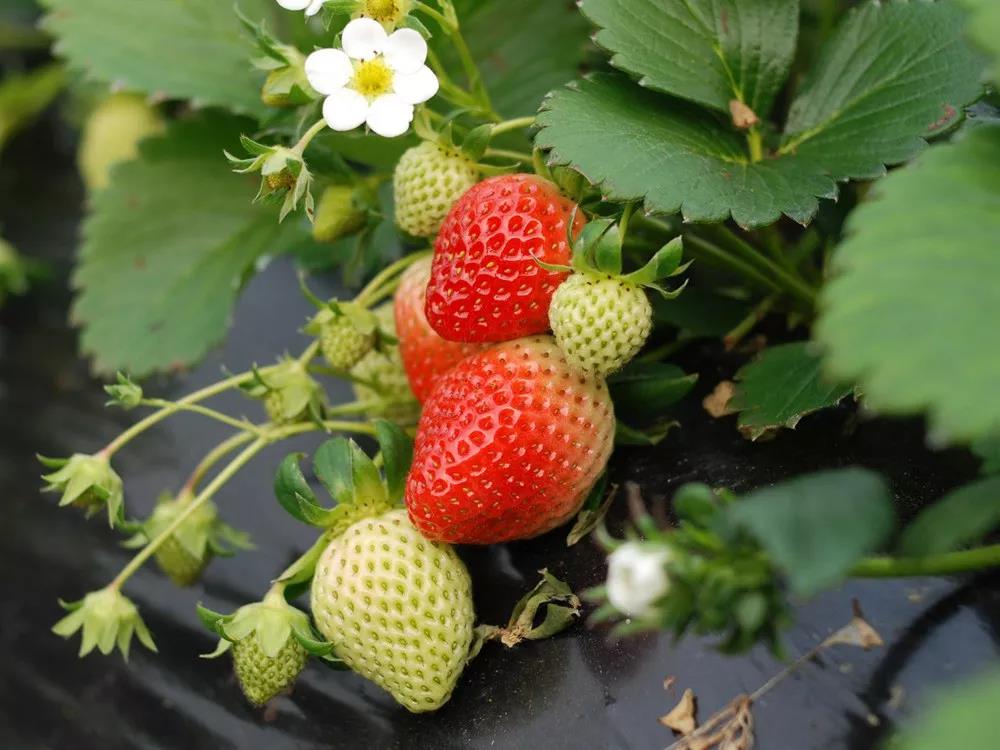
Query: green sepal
(124, 392)
(89, 482)
(412, 22)
(476, 142)
(106, 620)
(697, 504)
(302, 570)
(296, 496)
(397, 457)
(209, 618)
(608, 252)
(649, 435)
(337, 12)
(348, 473)
(585, 244)
(668, 294)
(595, 507)
(664, 263)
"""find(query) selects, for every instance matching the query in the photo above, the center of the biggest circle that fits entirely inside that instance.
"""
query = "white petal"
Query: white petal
(345, 109)
(294, 4)
(390, 116)
(363, 38)
(416, 88)
(315, 8)
(328, 70)
(405, 51)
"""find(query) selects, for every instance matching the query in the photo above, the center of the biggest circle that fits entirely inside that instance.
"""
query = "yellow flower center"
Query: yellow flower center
(383, 11)
(373, 78)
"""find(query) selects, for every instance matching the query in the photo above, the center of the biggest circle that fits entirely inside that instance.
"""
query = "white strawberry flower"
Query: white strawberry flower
(311, 7)
(637, 577)
(377, 78)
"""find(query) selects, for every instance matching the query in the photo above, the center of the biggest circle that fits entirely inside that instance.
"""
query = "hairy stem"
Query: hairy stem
(205, 412)
(518, 123)
(364, 297)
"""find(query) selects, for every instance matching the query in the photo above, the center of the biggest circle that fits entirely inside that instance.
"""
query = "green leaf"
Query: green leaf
(397, 456)
(707, 51)
(166, 248)
(700, 312)
(643, 390)
(180, 49)
(962, 718)
(988, 449)
(524, 48)
(984, 29)
(676, 157)
(912, 310)
(891, 73)
(782, 385)
(815, 527)
(961, 517)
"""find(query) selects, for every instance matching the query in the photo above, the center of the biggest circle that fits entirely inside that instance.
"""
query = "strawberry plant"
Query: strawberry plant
(811, 190)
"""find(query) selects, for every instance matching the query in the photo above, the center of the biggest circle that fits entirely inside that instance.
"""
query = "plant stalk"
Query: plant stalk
(942, 564)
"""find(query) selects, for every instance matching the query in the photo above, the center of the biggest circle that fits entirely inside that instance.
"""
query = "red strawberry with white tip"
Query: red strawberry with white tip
(426, 356)
(509, 444)
(485, 284)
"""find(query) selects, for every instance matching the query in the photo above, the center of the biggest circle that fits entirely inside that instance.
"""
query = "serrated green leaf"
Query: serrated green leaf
(183, 50)
(707, 51)
(891, 73)
(815, 527)
(784, 384)
(964, 717)
(984, 29)
(166, 248)
(639, 145)
(643, 390)
(910, 314)
(961, 517)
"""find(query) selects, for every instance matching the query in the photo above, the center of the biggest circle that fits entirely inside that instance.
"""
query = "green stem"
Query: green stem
(786, 280)
(273, 436)
(723, 257)
(518, 123)
(212, 458)
(945, 563)
(503, 153)
(746, 325)
(756, 144)
(386, 274)
(300, 147)
(204, 411)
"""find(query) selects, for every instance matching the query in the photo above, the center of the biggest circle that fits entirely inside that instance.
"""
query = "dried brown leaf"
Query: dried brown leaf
(744, 118)
(683, 717)
(717, 402)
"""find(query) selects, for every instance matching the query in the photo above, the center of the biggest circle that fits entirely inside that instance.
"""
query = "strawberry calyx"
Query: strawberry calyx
(106, 619)
(87, 482)
(354, 481)
(290, 394)
(597, 252)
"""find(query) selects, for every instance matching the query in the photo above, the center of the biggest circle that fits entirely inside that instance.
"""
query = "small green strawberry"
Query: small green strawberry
(290, 394)
(339, 213)
(270, 642)
(87, 482)
(346, 332)
(385, 382)
(428, 179)
(184, 554)
(112, 134)
(599, 316)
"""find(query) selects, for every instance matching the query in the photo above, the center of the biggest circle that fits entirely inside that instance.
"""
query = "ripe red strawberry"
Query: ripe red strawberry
(426, 356)
(485, 284)
(509, 443)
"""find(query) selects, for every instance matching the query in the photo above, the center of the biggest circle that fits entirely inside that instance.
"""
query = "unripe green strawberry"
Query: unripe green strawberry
(337, 214)
(289, 392)
(429, 178)
(384, 369)
(397, 607)
(600, 322)
(261, 676)
(112, 134)
(346, 331)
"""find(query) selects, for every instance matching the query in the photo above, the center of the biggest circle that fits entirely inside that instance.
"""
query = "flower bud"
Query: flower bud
(637, 577)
